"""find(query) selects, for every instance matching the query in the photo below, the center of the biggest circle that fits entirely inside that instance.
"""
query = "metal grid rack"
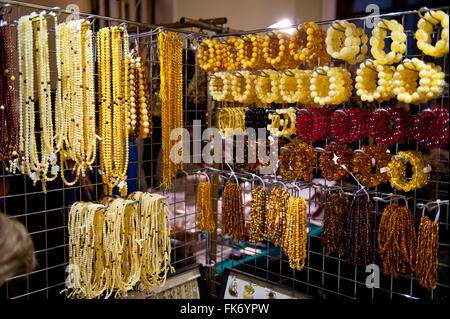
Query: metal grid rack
(45, 215)
(331, 276)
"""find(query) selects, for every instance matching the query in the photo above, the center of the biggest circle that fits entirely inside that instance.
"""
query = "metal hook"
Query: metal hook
(233, 173)
(399, 156)
(272, 34)
(289, 73)
(260, 72)
(8, 9)
(183, 38)
(91, 17)
(337, 29)
(358, 151)
(422, 17)
(322, 150)
(304, 110)
(240, 74)
(203, 173)
(56, 10)
(382, 110)
(246, 38)
(323, 71)
(372, 65)
(410, 62)
(430, 111)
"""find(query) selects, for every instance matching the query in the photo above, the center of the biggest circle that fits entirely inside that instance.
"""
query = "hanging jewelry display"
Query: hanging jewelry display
(171, 91)
(258, 214)
(334, 223)
(396, 240)
(32, 31)
(232, 211)
(204, 218)
(113, 131)
(295, 238)
(9, 120)
(276, 214)
(76, 119)
(358, 247)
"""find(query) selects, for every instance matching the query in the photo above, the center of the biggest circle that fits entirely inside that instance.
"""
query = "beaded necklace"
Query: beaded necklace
(9, 135)
(113, 108)
(171, 91)
(28, 36)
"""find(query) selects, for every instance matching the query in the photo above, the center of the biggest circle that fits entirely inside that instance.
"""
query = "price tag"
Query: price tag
(101, 172)
(55, 169)
(384, 170)
(427, 169)
(33, 175)
(121, 184)
(52, 157)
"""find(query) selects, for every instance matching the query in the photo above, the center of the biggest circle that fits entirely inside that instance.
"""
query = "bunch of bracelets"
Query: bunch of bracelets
(390, 126)
(262, 51)
(350, 125)
(431, 128)
(346, 42)
(231, 120)
(314, 124)
(363, 162)
(335, 162)
(296, 161)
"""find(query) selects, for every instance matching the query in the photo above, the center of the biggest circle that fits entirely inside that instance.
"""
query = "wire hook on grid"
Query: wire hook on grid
(203, 173)
(8, 9)
(391, 197)
(432, 205)
(425, 9)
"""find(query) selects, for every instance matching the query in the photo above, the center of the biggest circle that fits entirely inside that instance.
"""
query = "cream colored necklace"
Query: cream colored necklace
(28, 36)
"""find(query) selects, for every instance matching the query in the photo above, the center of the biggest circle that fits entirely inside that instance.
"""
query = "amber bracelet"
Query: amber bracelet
(362, 165)
(335, 162)
(296, 161)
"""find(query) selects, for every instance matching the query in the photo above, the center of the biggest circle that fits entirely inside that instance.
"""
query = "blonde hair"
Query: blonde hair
(16, 249)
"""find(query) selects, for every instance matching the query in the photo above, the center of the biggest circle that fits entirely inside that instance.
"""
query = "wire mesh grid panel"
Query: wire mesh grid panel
(331, 276)
(45, 214)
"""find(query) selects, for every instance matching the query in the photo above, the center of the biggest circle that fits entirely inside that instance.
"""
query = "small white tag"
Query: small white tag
(427, 169)
(33, 175)
(55, 169)
(52, 157)
(121, 184)
(384, 170)
(101, 172)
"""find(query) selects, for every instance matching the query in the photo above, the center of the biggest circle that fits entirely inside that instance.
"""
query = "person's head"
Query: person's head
(16, 249)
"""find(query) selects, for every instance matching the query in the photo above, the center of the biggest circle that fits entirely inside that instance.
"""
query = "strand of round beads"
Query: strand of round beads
(276, 215)
(258, 215)
(390, 126)
(396, 240)
(204, 219)
(350, 125)
(343, 40)
(232, 211)
(334, 223)
(426, 253)
(295, 238)
(314, 124)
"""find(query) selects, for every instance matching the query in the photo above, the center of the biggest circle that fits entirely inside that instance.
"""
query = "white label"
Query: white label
(33, 175)
(55, 169)
(427, 169)
(384, 170)
(52, 157)
(121, 184)
(101, 172)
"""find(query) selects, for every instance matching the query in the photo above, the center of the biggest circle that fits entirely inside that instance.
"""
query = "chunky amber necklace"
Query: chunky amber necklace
(113, 75)
(204, 219)
(295, 237)
(77, 104)
(171, 91)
